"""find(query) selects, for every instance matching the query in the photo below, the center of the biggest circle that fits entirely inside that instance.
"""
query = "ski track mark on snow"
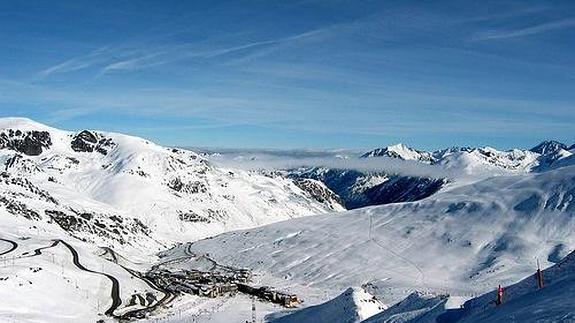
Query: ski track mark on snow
(421, 273)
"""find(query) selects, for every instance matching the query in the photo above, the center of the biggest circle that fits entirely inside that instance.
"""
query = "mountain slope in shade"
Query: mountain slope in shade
(359, 189)
(523, 302)
(549, 146)
(353, 305)
(417, 307)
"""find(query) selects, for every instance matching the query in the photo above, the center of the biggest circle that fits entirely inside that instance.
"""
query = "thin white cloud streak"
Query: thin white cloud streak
(142, 56)
(255, 162)
(533, 30)
(175, 54)
(190, 51)
(315, 35)
(95, 57)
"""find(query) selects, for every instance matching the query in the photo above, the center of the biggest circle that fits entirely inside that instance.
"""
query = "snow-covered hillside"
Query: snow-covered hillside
(461, 241)
(83, 215)
(353, 305)
(95, 184)
(524, 302)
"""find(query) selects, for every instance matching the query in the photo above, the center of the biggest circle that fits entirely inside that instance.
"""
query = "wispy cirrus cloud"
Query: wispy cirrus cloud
(205, 50)
(95, 57)
(528, 31)
(142, 56)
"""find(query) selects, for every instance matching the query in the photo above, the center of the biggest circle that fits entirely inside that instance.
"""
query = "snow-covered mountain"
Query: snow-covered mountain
(84, 213)
(461, 241)
(400, 151)
(358, 188)
(473, 160)
(97, 184)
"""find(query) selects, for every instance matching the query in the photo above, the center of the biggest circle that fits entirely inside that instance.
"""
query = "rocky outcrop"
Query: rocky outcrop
(86, 141)
(30, 143)
(318, 191)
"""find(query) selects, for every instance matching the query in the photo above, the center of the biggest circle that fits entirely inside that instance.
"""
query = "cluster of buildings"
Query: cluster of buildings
(217, 283)
(202, 283)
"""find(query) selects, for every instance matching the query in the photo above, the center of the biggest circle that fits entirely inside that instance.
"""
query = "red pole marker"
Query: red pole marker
(539, 276)
(499, 295)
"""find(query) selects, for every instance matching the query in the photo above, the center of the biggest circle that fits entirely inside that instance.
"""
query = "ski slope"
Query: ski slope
(523, 302)
(461, 241)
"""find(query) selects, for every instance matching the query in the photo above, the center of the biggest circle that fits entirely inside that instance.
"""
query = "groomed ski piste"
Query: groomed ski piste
(80, 231)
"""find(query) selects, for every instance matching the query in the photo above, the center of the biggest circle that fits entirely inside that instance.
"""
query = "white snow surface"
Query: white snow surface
(140, 198)
(524, 302)
(460, 241)
(136, 180)
(353, 305)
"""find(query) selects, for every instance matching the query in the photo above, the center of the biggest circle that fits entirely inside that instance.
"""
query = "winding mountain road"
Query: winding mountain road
(114, 293)
(13, 247)
(168, 296)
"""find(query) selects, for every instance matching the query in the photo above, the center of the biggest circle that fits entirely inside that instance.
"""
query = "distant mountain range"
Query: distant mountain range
(362, 188)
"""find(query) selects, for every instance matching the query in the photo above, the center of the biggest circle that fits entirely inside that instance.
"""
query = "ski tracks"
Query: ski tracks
(421, 273)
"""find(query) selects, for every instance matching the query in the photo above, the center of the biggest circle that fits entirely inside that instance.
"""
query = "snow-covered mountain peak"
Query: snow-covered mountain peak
(549, 146)
(483, 160)
(24, 124)
(400, 151)
(171, 191)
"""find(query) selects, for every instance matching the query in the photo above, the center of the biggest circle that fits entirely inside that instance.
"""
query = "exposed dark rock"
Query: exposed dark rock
(87, 141)
(28, 186)
(177, 185)
(218, 215)
(65, 221)
(30, 143)
(112, 227)
(318, 191)
(87, 216)
(18, 208)
(549, 146)
(191, 216)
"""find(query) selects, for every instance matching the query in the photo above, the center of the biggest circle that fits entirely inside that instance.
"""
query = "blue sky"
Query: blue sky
(295, 74)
